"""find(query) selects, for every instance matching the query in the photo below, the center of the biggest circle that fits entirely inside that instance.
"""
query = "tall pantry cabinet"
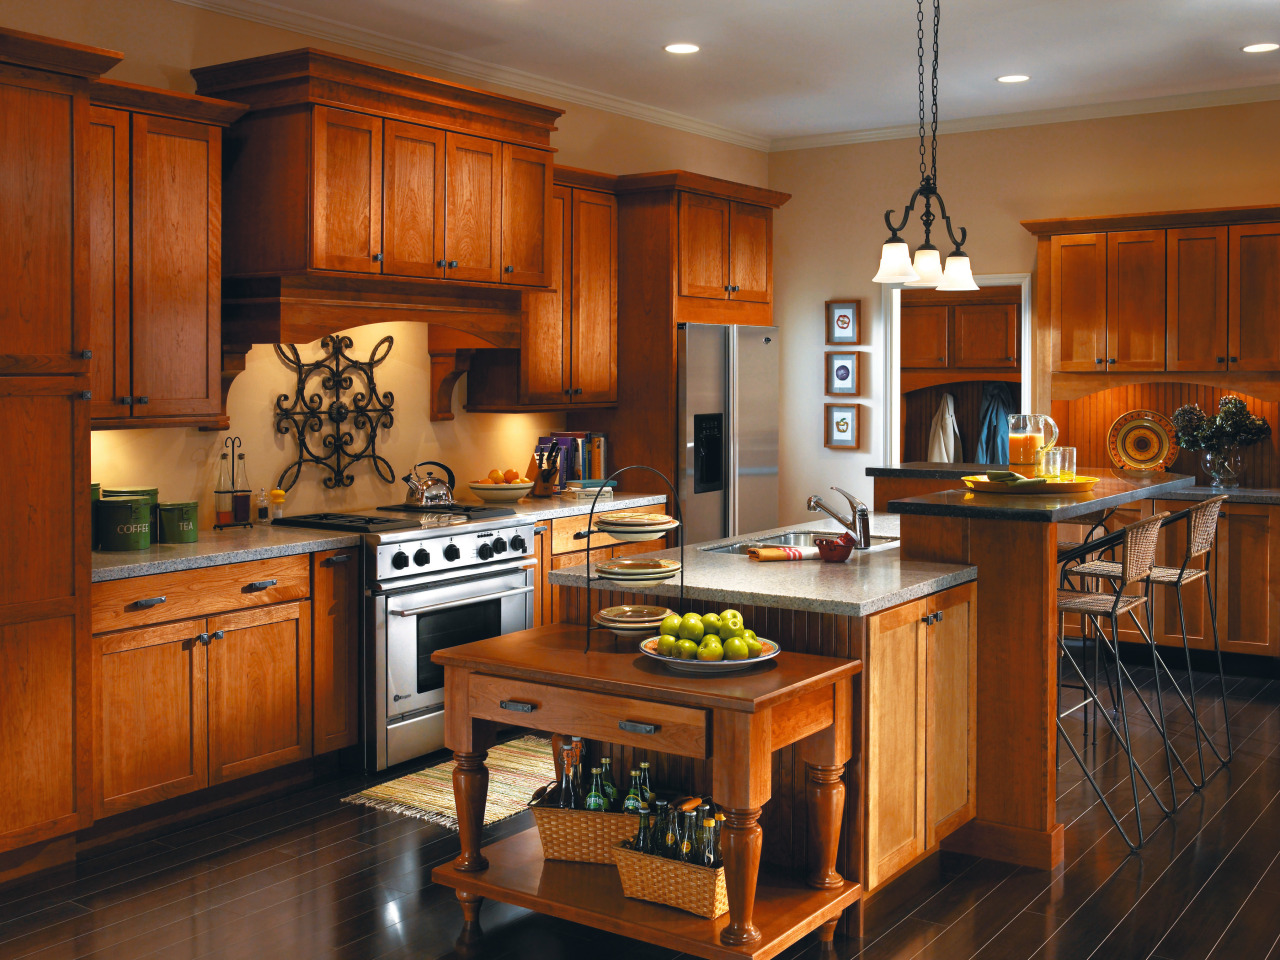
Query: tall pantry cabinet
(45, 722)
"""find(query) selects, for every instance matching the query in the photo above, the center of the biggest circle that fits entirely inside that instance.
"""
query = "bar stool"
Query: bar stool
(1139, 544)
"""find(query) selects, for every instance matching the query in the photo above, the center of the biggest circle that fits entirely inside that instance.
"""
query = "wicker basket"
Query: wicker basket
(686, 886)
(580, 835)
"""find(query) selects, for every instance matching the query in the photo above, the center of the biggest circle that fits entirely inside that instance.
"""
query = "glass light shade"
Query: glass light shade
(895, 264)
(958, 275)
(928, 267)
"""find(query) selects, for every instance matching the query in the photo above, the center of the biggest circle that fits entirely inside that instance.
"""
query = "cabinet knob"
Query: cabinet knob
(86, 395)
(216, 635)
(1099, 360)
(127, 401)
(202, 638)
(377, 258)
(1009, 359)
(1222, 359)
(928, 620)
(1111, 360)
(1235, 359)
(86, 354)
(452, 264)
(726, 288)
(508, 269)
(937, 617)
(440, 263)
(577, 391)
(734, 288)
(942, 359)
(144, 400)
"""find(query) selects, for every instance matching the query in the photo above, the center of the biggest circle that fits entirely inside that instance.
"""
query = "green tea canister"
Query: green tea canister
(178, 522)
(124, 523)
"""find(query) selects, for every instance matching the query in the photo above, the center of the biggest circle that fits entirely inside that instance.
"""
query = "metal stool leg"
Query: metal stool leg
(1163, 725)
(1191, 682)
(1128, 743)
(1222, 678)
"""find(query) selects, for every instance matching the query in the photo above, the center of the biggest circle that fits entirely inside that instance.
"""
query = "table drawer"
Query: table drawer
(136, 602)
(596, 716)
(563, 530)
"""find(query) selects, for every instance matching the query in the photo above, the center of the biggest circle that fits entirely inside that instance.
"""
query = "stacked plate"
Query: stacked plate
(632, 621)
(634, 526)
(638, 571)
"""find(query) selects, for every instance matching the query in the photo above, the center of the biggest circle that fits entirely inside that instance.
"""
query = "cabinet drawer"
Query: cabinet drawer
(595, 716)
(564, 528)
(118, 604)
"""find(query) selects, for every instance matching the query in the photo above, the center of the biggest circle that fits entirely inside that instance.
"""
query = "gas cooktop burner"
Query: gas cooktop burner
(470, 511)
(355, 522)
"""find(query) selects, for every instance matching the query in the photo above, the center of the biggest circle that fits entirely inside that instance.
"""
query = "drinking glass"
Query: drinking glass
(1066, 463)
(1052, 459)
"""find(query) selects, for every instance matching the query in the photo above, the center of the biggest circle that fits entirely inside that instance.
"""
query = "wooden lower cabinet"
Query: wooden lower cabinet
(1248, 596)
(950, 712)
(335, 632)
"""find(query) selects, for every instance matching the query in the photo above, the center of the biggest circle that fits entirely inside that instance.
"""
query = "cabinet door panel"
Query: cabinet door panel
(924, 336)
(546, 337)
(152, 743)
(594, 369)
(751, 252)
(1136, 300)
(951, 738)
(895, 740)
(413, 224)
(108, 202)
(346, 222)
(1255, 297)
(335, 606)
(1197, 298)
(526, 204)
(177, 295)
(473, 208)
(259, 690)
(704, 246)
(985, 335)
(1079, 302)
(1248, 594)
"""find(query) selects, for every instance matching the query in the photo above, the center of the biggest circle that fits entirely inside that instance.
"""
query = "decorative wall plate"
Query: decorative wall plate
(1142, 440)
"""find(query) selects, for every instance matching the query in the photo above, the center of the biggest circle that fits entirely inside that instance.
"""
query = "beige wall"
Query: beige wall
(162, 41)
(827, 239)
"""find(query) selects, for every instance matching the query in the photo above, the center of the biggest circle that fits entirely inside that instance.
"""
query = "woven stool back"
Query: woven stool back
(1202, 525)
(1140, 548)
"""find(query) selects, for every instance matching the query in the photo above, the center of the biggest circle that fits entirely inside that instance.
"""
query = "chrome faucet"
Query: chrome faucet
(857, 523)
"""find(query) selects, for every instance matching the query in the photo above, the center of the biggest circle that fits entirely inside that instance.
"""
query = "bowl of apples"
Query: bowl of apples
(501, 486)
(708, 643)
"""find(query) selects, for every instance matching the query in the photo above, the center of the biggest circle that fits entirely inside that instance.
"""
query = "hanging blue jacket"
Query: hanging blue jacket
(993, 423)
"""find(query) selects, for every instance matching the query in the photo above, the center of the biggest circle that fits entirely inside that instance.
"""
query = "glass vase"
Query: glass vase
(1224, 467)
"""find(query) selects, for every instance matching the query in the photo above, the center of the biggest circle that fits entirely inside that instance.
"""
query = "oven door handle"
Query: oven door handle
(414, 611)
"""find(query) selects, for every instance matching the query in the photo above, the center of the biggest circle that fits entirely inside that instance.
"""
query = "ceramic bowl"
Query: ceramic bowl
(500, 492)
(834, 549)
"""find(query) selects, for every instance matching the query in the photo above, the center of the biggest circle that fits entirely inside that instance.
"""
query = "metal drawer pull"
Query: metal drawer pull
(633, 726)
(463, 603)
(517, 705)
(261, 584)
(340, 558)
(149, 602)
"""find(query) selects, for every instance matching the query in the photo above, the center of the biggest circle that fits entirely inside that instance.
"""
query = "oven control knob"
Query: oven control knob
(421, 557)
(451, 552)
(499, 545)
(400, 560)
(518, 545)
(484, 552)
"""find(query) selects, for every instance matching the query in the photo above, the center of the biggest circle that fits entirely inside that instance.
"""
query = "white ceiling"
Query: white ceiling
(772, 71)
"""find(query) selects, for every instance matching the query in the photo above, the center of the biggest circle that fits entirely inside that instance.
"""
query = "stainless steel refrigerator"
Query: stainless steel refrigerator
(727, 448)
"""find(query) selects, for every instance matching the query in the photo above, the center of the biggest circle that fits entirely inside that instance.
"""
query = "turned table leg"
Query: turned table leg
(824, 791)
(470, 933)
(741, 842)
(470, 790)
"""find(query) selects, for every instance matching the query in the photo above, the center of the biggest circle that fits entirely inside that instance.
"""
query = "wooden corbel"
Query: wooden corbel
(451, 351)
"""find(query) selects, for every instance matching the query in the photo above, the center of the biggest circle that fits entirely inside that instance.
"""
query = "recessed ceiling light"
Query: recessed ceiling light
(1261, 47)
(1014, 78)
(681, 48)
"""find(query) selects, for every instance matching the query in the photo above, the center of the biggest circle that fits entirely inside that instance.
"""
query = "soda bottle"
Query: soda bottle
(644, 838)
(665, 842)
(689, 836)
(610, 789)
(719, 835)
(577, 763)
(631, 802)
(568, 791)
(646, 790)
(595, 796)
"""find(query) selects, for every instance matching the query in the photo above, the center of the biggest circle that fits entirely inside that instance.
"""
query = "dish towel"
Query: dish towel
(993, 423)
(767, 554)
(944, 433)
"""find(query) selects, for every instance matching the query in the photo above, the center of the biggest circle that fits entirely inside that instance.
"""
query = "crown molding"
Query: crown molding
(1094, 111)
(323, 28)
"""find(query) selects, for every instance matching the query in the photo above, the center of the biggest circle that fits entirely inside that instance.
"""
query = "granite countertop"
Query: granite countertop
(871, 580)
(217, 547)
(934, 471)
(1263, 495)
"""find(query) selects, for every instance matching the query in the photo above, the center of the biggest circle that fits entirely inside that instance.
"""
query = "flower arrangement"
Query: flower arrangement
(1220, 437)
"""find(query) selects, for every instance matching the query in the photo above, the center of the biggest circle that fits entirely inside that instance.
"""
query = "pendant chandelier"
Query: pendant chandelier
(896, 264)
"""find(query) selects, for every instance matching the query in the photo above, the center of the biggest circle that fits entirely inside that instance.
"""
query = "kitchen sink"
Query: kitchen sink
(796, 538)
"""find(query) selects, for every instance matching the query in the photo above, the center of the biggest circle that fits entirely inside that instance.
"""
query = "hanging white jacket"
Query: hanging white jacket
(944, 434)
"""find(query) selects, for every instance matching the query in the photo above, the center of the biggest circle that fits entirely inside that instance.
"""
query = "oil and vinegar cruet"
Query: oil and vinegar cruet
(231, 497)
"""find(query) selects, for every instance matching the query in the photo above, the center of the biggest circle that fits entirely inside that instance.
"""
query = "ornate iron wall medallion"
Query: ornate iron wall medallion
(342, 432)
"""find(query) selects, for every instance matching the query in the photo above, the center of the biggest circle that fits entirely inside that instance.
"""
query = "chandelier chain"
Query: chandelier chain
(933, 152)
(920, 72)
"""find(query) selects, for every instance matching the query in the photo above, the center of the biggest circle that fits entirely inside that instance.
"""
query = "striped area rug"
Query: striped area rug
(516, 769)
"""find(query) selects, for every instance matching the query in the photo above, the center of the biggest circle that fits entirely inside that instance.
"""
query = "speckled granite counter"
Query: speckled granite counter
(1263, 495)
(1041, 507)
(216, 547)
(871, 580)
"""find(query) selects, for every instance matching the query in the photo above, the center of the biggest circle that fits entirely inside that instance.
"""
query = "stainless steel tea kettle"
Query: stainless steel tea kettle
(428, 489)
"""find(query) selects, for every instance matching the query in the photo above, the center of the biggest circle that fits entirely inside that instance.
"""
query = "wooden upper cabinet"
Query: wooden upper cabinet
(984, 335)
(1197, 301)
(594, 317)
(704, 246)
(473, 209)
(413, 183)
(526, 201)
(924, 336)
(1136, 301)
(1255, 297)
(546, 341)
(346, 222)
(750, 253)
(1079, 302)
(109, 252)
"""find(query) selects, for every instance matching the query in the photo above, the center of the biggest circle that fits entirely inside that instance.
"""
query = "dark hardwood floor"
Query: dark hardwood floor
(310, 877)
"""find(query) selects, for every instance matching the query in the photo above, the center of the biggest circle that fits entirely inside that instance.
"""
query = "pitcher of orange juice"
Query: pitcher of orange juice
(1030, 435)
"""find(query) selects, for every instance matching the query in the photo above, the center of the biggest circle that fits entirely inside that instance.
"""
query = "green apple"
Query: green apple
(754, 646)
(670, 625)
(748, 634)
(686, 650)
(735, 648)
(731, 624)
(691, 629)
(666, 643)
(726, 614)
(710, 651)
(711, 623)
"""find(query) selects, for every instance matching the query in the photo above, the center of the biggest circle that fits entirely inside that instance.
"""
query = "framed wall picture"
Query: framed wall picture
(844, 323)
(844, 374)
(843, 422)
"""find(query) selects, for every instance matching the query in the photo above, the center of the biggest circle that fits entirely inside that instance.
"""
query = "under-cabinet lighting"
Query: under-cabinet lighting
(681, 48)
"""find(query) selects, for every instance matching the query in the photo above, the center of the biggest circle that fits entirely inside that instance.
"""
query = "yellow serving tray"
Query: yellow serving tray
(1050, 488)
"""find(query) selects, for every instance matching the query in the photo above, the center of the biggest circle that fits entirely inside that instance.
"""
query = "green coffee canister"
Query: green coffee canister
(178, 522)
(124, 523)
(95, 494)
(151, 493)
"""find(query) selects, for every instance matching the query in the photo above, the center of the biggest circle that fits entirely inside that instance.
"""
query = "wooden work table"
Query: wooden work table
(544, 679)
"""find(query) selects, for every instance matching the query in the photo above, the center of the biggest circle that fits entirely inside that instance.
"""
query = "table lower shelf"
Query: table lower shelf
(591, 894)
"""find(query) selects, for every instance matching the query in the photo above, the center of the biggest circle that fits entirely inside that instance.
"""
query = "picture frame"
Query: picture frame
(844, 323)
(842, 428)
(843, 376)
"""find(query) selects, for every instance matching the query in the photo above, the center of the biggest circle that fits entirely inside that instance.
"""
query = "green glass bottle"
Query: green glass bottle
(631, 802)
(689, 836)
(643, 842)
(646, 789)
(665, 843)
(595, 799)
(610, 788)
